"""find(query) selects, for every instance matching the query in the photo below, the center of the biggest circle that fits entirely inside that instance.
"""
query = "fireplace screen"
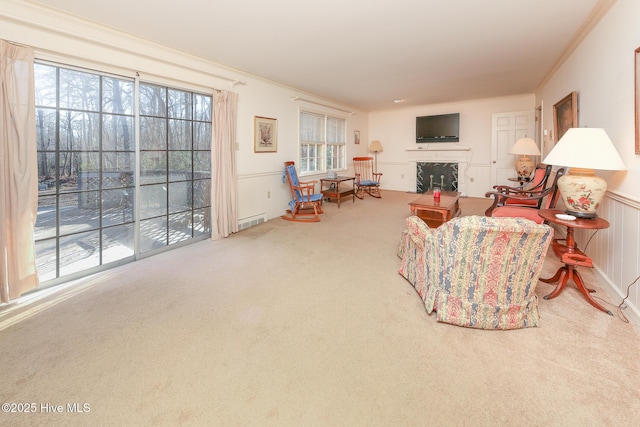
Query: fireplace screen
(441, 175)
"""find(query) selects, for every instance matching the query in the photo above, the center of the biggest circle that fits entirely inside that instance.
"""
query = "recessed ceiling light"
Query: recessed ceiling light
(398, 101)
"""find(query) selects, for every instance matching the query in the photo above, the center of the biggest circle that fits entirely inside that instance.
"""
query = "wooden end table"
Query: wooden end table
(571, 256)
(436, 212)
(335, 191)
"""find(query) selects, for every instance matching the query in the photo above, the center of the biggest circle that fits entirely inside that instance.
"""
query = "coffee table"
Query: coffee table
(436, 212)
(335, 191)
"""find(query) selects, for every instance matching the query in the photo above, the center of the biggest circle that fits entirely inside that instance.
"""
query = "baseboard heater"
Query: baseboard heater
(251, 221)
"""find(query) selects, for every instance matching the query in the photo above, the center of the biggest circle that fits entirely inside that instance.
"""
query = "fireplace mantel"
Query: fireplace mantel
(457, 148)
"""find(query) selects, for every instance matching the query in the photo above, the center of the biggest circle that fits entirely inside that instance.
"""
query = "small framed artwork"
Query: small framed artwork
(565, 115)
(356, 136)
(265, 134)
(636, 78)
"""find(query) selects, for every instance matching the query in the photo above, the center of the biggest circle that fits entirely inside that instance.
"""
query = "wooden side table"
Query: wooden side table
(571, 256)
(436, 212)
(335, 191)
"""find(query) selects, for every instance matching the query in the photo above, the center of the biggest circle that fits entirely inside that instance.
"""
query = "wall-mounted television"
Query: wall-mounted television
(438, 128)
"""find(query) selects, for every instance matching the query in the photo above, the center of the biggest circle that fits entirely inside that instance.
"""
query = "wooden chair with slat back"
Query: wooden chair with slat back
(367, 180)
(305, 204)
(546, 199)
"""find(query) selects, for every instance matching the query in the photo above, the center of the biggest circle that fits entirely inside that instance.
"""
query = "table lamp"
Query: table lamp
(525, 165)
(375, 147)
(583, 150)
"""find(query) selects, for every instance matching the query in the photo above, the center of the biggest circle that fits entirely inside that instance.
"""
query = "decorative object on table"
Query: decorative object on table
(583, 150)
(367, 180)
(375, 147)
(464, 278)
(305, 204)
(525, 165)
(332, 174)
(565, 115)
(265, 135)
(356, 136)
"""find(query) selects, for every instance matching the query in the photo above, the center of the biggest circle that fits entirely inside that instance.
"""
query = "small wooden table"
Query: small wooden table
(435, 212)
(335, 191)
(571, 256)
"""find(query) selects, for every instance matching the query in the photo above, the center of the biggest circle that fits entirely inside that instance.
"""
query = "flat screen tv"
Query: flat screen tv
(439, 128)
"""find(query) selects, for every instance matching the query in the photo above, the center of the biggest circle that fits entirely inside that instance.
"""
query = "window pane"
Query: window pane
(153, 133)
(117, 206)
(179, 104)
(117, 96)
(153, 234)
(180, 197)
(79, 212)
(202, 136)
(79, 90)
(117, 133)
(179, 227)
(153, 167)
(201, 193)
(46, 123)
(117, 243)
(46, 79)
(202, 108)
(79, 252)
(118, 170)
(153, 200)
(79, 130)
(180, 165)
(47, 218)
(180, 135)
(153, 100)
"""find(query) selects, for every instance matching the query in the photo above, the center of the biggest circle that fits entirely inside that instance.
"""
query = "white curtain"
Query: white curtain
(224, 187)
(18, 171)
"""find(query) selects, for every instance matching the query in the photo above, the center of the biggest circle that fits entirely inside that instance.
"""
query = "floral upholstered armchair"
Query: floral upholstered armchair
(477, 271)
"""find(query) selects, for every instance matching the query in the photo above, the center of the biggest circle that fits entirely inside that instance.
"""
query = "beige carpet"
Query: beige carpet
(288, 324)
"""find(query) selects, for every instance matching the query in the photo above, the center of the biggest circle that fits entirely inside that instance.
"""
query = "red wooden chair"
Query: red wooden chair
(545, 199)
(305, 204)
(367, 181)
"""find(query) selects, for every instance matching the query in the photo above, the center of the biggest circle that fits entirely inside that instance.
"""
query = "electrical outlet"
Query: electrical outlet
(268, 194)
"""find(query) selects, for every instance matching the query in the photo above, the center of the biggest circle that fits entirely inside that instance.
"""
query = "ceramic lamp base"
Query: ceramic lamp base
(582, 192)
(524, 167)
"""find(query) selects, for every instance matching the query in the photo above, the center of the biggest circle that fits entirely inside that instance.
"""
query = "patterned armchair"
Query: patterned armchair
(476, 271)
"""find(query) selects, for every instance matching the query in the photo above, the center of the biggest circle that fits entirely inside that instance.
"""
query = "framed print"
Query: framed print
(565, 115)
(636, 79)
(265, 134)
(356, 136)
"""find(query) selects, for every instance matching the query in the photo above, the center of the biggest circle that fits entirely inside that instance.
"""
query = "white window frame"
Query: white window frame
(320, 141)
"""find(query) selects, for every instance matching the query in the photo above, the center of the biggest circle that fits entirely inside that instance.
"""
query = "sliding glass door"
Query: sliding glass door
(88, 215)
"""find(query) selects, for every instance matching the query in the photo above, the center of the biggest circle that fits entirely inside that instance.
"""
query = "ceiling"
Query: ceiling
(364, 54)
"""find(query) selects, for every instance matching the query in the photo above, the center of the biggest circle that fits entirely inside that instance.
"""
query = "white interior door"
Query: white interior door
(506, 129)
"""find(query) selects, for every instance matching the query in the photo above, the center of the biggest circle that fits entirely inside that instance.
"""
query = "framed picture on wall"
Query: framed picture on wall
(356, 136)
(565, 115)
(265, 134)
(636, 77)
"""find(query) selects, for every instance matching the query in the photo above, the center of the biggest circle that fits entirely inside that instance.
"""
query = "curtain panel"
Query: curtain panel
(224, 184)
(18, 171)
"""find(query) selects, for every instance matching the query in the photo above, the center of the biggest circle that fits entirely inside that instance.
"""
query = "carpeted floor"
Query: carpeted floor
(289, 324)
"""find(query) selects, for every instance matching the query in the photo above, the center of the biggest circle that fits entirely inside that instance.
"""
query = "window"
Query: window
(322, 142)
(88, 182)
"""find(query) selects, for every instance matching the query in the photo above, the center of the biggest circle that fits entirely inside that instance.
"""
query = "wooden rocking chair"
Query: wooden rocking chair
(305, 205)
(367, 181)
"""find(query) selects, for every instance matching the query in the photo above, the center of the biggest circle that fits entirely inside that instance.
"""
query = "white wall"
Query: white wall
(396, 131)
(601, 70)
(262, 194)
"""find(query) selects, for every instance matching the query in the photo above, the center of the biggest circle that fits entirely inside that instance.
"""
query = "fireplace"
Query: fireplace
(448, 166)
(440, 175)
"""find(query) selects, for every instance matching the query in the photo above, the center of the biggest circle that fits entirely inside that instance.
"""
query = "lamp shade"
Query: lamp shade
(524, 165)
(525, 146)
(583, 150)
(375, 147)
